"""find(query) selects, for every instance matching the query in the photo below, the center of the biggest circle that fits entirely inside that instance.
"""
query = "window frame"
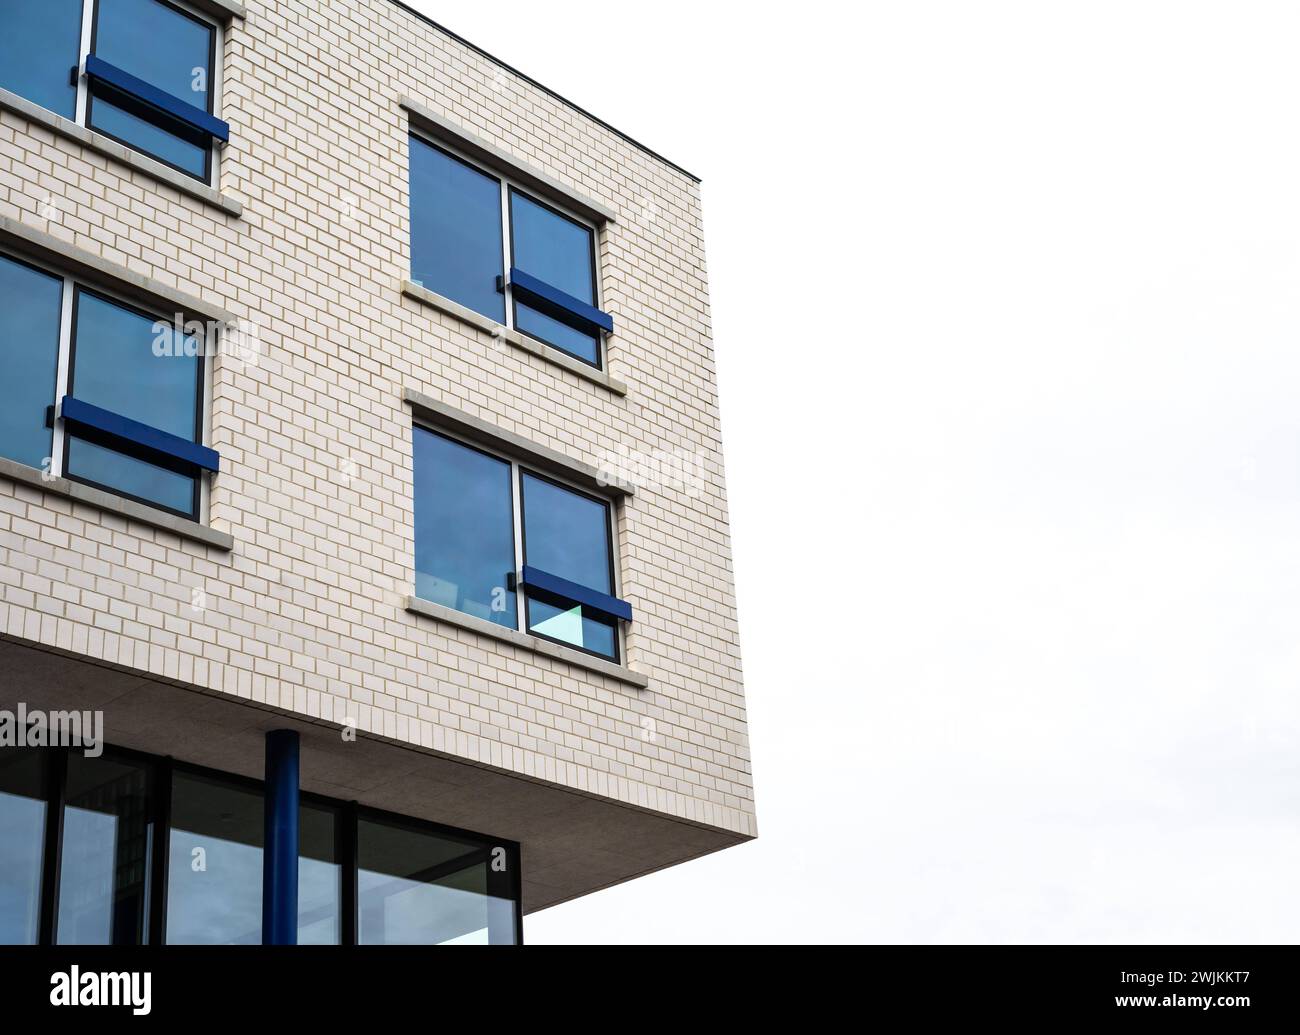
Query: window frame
(518, 468)
(59, 440)
(509, 186)
(85, 94)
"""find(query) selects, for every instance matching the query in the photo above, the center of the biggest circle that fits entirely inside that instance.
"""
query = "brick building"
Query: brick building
(360, 466)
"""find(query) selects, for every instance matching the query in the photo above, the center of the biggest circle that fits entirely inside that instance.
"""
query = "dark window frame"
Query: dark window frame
(158, 119)
(609, 552)
(162, 770)
(509, 187)
(78, 288)
(594, 241)
(518, 469)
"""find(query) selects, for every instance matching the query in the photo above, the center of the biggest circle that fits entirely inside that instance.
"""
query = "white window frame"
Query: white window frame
(507, 184)
(517, 469)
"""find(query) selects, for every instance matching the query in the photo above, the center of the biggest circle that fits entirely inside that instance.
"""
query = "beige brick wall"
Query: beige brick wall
(307, 613)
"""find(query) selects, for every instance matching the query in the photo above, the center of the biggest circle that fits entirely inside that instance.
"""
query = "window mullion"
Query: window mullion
(507, 252)
(87, 34)
(65, 370)
(521, 607)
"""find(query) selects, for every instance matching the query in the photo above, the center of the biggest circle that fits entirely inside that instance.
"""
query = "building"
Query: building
(360, 472)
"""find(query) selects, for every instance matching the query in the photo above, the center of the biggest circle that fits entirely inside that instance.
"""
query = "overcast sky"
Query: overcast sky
(1006, 304)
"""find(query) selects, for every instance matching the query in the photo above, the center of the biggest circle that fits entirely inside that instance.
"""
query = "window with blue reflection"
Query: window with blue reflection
(138, 367)
(567, 534)
(320, 877)
(560, 252)
(40, 44)
(106, 853)
(464, 529)
(214, 867)
(170, 50)
(456, 247)
(415, 887)
(22, 840)
(31, 305)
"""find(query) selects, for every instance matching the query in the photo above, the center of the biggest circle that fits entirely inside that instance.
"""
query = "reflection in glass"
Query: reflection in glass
(560, 252)
(22, 838)
(40, 42)
(107, 838)
(319, 877)
(567, 534)
(116, 366)
(456, 247)
(30, 311)
(214, 878)
(168, 49)
(464, 529)
(419, 888)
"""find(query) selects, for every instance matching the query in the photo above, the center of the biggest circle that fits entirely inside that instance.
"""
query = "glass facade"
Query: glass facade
(123, 815)
(22, 843)
(107, 846)
(464, 529)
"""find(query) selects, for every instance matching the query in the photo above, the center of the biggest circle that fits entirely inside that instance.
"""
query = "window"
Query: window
(22, 841)
(550, 571)
(558, 251)
(101, 392)
(107, 849)
(320, 877)
(415, 887)
(538, 278)
(31, 306)
(148, 72)
(39, 46)
(93, 879)
(214, 865)
(456, 245)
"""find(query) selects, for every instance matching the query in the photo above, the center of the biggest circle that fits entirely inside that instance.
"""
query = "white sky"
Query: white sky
(1006, 304)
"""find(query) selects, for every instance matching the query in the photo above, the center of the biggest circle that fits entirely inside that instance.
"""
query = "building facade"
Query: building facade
(364, 559)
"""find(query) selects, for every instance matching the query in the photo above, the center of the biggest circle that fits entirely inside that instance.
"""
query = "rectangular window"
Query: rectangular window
(538, 276)
(567, 536)
(415, 887)
(40, 45)
(101, 392)
(320, 877)
(560, 252)
(148, 72)
(464, 529)
(456, 244)
(214, 864)
(550, 571)
(131, 364)
(22, 841)
(107, 852)
(31, 308)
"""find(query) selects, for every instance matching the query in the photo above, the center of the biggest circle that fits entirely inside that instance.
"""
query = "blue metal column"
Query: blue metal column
(280, 855)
